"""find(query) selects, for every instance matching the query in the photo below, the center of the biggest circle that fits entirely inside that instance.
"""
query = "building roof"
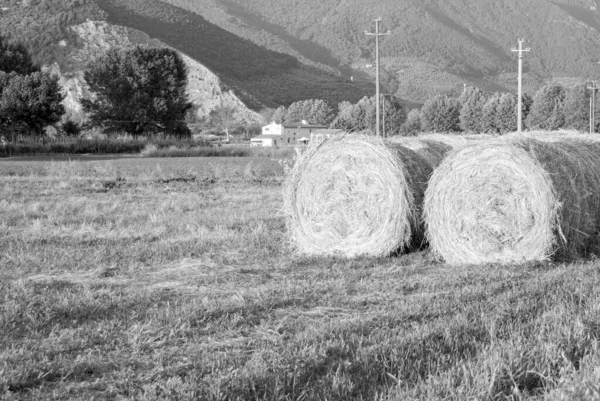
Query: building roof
(302, 124)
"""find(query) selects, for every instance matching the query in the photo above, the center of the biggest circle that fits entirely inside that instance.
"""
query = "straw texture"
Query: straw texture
(356, 195)
(514, 200)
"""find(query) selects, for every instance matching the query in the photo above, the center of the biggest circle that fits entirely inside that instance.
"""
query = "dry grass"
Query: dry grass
(356, 195)
(515, 200)
(131, 280)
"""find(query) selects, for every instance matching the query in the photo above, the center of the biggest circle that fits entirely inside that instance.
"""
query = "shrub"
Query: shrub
(441, 114)
(547, 111)
(412, 125)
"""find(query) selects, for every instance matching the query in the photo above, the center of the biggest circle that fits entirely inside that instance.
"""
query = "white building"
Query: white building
(286, 134)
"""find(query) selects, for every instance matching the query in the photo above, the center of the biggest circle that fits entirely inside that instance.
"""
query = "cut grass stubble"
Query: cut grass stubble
(158, 288)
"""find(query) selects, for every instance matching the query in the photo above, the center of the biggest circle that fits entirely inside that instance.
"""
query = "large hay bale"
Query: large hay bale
(553, 136)
(456, 140)
(514, 200)
(356, 195)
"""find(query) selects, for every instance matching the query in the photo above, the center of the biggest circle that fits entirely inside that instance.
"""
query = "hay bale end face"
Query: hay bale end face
(356, 195)
(515, 200)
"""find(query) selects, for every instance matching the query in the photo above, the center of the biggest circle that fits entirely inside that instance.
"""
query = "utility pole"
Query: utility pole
(377, 34)
(520, 50)
(593, 88)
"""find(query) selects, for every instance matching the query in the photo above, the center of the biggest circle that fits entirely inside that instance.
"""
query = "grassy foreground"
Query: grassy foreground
(173, 279)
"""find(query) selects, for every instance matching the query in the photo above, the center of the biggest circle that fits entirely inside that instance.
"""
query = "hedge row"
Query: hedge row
(225, 151)
(84, 146)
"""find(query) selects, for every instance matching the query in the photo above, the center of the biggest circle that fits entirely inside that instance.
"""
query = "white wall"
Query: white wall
(272, 129)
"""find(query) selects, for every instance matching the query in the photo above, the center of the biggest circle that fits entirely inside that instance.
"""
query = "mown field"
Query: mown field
(173, 279)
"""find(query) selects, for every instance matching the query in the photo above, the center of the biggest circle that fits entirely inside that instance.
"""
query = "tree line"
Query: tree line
(142, 91)
(553, 107)
(138, 91)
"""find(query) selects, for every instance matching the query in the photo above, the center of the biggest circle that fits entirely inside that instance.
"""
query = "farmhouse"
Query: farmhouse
(286, 134)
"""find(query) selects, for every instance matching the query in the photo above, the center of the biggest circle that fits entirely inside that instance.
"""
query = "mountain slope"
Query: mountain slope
(258, 76)
(468, 40)
(204, 88)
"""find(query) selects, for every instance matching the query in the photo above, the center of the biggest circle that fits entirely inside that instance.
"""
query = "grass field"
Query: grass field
(173, 279)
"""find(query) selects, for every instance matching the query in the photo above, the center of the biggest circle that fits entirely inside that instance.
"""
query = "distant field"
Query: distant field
(172, 278)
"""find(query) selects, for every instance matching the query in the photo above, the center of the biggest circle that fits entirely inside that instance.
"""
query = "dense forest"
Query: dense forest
(43, 26)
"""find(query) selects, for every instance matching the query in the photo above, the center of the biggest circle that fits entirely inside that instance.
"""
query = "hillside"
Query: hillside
(204, 88)
(461, 41)
(276, 52)
(259, 77)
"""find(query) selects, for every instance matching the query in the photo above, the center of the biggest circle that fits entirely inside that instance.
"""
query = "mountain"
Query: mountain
(274, 52)
(435, 45)
(67, 35)
(94, 38)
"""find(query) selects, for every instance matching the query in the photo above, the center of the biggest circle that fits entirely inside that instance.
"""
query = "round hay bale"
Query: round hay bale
(515, 200)
(456, 140)
(356, 195)
(553, 136)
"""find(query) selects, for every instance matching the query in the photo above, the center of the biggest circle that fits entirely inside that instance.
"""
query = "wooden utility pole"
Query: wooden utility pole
(593, 88)
(520, 50)
(377, 34)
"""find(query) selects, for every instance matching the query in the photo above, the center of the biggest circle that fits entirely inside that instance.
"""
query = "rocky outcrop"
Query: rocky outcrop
(204, 88)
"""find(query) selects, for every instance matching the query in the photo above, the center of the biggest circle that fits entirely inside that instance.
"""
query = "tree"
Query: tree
(577, 108)
(32, 100)
(489, 115)
(71, 128)
(467, 94)
(394, 116)
(320, 112)
(315, 111)
(471, 112)
(223, 117)
(527, 102)
(14, 57)
(266, 115)
(412, 125)
(361, 116)
(441, 114)
(506, 113)
(343, 120)
(355, 117)
(279, 115)
(547, 109)
(138, 90)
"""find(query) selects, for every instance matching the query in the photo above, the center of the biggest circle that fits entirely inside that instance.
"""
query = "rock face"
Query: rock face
(204, 88)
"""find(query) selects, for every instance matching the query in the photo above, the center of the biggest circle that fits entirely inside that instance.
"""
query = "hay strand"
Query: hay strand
(515, 200)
